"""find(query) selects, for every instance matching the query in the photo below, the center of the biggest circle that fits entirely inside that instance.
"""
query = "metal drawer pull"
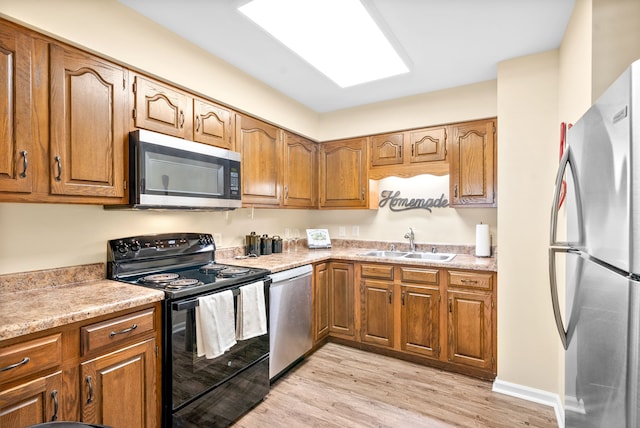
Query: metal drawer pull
(24, 361)
(90, 398)
(54, 395)
(58, 160)
(469, 281)
(197, 123)
(126, 330)
(23, 174)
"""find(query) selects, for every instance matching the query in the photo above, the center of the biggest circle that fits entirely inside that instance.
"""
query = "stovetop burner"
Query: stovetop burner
(159, 278)
(212, 268)
(183, 282)
(230, 272)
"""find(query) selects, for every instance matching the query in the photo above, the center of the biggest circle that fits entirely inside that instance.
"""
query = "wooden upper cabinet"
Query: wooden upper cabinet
(261, 148)
(88, 98)
(408, 153)
(162, 108)
(472, 164)
(300, 172)
(212, 124)
(15, 110)
(343, 174)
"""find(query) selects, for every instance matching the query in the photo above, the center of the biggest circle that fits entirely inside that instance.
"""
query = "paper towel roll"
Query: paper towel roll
(483, 241)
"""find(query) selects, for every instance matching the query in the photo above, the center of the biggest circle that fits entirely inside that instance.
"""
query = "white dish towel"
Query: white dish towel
(252, 314)
(215, 324)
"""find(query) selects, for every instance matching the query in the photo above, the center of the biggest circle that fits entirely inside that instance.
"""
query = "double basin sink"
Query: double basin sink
(436, 257)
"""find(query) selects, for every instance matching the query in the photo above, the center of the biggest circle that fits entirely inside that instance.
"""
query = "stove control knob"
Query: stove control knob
(135, 246)
(205, 240)
(122, 247)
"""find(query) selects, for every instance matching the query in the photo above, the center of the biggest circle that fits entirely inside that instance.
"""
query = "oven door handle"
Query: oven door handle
(190, 304)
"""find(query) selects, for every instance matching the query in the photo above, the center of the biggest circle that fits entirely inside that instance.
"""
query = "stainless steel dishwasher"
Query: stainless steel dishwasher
(289, 318)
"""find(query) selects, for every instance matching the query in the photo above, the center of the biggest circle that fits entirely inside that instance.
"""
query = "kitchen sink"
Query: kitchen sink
(436, 257)
(381, 253)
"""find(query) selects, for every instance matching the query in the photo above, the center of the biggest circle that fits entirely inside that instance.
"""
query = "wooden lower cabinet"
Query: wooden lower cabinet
(431, 315)
(70, 374)
(341, 300)
(118, 389)
(320, 302)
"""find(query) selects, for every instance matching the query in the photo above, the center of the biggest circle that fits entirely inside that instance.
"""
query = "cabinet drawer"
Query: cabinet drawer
(32, 356)
(419, 276)
(477, 280)
(107, 333)
(377, 271)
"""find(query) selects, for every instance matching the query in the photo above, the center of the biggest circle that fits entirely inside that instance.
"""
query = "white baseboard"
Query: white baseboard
(531, 394)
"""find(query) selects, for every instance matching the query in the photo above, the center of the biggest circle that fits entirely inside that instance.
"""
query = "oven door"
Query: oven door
(193, 377)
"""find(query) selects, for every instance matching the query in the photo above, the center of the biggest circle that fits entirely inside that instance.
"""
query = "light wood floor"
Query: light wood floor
(341, 387)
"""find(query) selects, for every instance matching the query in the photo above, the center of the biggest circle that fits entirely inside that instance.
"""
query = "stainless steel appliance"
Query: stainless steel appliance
(196, 391)
(289, 318)
(601, 260)
(172, 173)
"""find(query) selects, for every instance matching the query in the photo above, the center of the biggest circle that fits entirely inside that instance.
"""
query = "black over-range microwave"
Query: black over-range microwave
(166, 172)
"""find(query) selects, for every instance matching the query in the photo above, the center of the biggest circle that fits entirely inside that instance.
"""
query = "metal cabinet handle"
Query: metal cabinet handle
(286, 192)
(413, 150)
(197, 123)
(181, 119)
(126, 330)
(54, 395)
(58, 160)
(402, 297)
(90, 385)
(450, 305)
(24, 361)
(25, 163)
(390, 296)
(455, 190)
(468, 281)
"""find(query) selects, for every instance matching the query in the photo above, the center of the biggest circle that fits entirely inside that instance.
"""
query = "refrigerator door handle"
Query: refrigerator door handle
(567, 159)
(554, 293)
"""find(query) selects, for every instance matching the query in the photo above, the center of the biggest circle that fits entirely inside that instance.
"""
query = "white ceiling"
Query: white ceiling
(447, 43)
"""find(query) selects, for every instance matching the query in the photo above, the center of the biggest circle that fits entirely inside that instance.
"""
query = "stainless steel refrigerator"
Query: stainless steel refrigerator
(600, 259)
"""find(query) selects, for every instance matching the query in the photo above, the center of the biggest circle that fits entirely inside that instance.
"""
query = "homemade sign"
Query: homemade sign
(392, 199)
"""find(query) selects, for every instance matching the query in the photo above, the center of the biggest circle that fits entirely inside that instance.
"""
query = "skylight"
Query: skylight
(337, 37)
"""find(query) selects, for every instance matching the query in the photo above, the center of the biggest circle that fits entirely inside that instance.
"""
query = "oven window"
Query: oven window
(175, 172)
(193, 375)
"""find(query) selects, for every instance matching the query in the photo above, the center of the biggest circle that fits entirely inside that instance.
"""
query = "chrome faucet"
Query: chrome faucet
(411, 237)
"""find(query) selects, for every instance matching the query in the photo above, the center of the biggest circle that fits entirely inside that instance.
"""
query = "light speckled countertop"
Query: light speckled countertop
(288, 260)
(39, 300)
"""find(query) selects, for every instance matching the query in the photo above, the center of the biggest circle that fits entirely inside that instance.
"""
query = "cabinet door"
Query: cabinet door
(261, 148)
(212, 124)
(387, 149)
(341, 304)
(377, 312)
(300, 171)
(33, 402)
(320, 302)
(161, 108)
(472, 164)
(15, 109)
(343, 174)
(427, 145)
(118, 389)
(88, 102)
(470, 329)
(420, 320)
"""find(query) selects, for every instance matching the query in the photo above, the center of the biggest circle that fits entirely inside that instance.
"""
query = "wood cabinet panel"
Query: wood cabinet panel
(420, 320)
(377, 271)
(212, 124)
(477, 280)
(470, 330)
(387, 149)
(88, 134)
(15, 109)
(341, 299)
(343, 174)
(419, 275)
(377, 312)
(300, 172)
(33, 402)
(320, 302)
(118, 389)
(472, 164)
(261, 148)
(33, 356)
(113, 332)
(427, 145)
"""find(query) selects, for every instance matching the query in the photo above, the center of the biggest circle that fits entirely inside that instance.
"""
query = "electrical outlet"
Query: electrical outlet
(342, 231)
(355, 230)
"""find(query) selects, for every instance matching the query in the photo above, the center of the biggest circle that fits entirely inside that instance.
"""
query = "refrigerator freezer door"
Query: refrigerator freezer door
(602, 340)
(601, 143)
